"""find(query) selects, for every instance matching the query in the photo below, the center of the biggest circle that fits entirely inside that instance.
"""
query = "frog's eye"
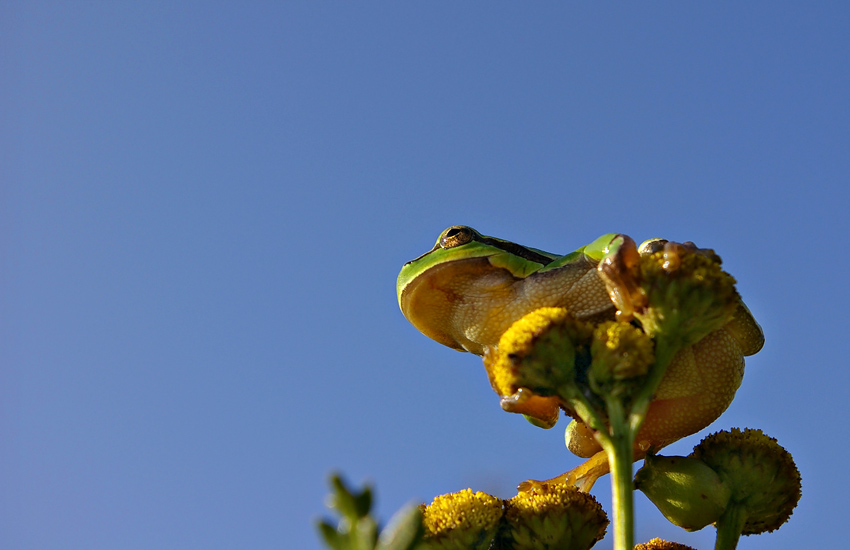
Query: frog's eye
(456, 236)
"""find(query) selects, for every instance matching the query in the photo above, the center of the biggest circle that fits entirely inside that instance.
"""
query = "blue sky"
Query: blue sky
(204, 207)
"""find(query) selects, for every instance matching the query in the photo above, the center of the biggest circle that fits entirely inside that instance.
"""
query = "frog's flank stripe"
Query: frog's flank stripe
(516, 250)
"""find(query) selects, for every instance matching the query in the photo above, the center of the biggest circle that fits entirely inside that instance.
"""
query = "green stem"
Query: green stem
(620, 457)
(585, 410)
(729, 527)
(619, 438)
(664, 353)
(624, 426)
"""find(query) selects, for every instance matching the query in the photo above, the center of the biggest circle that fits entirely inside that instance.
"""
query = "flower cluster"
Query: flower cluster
(555, 517)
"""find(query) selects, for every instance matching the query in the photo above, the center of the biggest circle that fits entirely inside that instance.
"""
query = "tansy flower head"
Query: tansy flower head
(762, 476)
(621, 354)
(537, 352)
(688, 294)
(658, 544)
(554, 516)
(535, 357)
(461, 521)
(675, 290)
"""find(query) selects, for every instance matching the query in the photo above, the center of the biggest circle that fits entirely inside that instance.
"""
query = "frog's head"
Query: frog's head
(460, 293)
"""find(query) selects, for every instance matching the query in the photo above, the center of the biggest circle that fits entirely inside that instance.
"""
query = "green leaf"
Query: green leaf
(363, 502)
(352, 506)
(364, 534)
(404, 530)
(332, 537)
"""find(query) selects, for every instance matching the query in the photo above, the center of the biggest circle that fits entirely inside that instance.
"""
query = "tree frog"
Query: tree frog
(469, 288)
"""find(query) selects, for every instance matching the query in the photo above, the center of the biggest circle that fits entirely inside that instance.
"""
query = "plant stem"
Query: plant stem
(620, 449)
(729, 527)
(664, 353)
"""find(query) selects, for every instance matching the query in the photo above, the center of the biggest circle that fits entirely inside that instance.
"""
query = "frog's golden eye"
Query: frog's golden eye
(457, 235)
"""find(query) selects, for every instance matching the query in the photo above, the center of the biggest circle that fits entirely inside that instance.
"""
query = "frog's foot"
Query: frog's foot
(619, 271)
(539, 410)
(582, 477)
(673, 251)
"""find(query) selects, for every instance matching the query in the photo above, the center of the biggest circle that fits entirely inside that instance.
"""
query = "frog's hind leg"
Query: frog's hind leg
(582, 477)
(581, 442)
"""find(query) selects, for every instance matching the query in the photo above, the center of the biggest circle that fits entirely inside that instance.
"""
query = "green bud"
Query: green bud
(621, 354)
(688, 492)
(762, 476)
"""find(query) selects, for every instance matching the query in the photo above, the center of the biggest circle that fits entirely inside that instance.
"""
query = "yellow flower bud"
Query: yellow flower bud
(658, 544)
(535, 357)
(621, 354)
(461, 521)
(554, 516)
